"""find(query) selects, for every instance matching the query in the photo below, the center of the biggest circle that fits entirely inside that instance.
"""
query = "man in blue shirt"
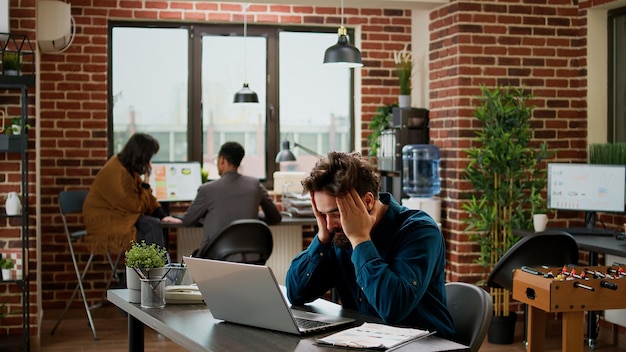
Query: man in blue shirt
(383, 259)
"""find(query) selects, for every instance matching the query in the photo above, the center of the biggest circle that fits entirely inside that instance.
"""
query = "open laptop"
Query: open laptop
(249, 294)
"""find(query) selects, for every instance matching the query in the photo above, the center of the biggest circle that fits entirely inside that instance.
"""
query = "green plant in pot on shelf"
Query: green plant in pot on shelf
(16, 126)
(380, 122)
(6, 265)
(11, 63)
(507, 177)
(404, 69)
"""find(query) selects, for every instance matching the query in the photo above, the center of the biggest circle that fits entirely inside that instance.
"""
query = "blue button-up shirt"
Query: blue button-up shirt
(398, 276)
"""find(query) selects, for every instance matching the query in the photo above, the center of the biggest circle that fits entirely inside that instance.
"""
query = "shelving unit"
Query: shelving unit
(19, 144)
(409, 126)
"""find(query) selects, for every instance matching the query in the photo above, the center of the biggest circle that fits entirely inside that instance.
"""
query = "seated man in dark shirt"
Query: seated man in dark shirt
(383, 258)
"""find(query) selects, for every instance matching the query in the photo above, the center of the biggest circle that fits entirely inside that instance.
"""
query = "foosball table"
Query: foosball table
(570, 291)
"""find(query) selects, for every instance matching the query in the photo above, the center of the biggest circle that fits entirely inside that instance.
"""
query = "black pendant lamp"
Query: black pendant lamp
(343, 53)
(245, 94)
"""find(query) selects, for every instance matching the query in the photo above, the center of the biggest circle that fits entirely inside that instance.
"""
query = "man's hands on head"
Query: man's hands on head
(356, 220)
(322, 233)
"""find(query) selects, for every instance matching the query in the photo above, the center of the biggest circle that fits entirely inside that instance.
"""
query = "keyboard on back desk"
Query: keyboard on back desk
(581, 231)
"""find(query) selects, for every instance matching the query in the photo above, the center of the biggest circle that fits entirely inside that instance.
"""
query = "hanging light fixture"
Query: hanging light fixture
(245, 94)
(343, 54)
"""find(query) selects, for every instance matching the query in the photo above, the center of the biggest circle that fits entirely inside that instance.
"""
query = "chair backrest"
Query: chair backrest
(72, 201)
(551, 248)
(471, 309)
(244, 241)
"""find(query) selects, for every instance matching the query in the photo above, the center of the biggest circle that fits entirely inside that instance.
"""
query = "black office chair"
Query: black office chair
(551, 248)
(71, 202)
(243, 241)
(471, 309)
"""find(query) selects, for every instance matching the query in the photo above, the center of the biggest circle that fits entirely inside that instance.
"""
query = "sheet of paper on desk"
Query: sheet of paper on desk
(370, 335)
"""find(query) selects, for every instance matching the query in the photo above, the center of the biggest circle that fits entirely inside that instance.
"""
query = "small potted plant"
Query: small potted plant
(404, 69)
(143, 261)
(16, 126)
(6, 264)
(11, 63)
(380, 122)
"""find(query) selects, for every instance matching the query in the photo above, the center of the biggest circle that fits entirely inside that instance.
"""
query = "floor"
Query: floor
(75, 335)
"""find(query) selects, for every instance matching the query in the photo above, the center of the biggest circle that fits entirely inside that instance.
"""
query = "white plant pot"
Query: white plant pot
(17, 129)
(404, 101)
(11, 72)
(13, 206)
(7, 274)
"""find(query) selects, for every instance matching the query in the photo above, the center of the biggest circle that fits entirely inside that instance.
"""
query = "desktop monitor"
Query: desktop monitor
(587, 187)
(175, 181)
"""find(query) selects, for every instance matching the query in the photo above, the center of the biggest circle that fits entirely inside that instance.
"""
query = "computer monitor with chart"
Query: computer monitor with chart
(175, 181)
(587, 187)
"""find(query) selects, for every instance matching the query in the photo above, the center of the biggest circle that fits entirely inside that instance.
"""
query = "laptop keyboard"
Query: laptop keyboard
(310, 324)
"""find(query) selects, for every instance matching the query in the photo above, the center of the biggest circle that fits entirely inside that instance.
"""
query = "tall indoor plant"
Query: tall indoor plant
(507, 176)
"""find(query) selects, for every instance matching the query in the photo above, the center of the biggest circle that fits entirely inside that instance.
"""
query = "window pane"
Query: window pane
(149, 85)
(314, 98)
(225, 68)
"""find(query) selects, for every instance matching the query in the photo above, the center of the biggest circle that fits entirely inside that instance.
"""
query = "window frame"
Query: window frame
(194, 128)
(612, 79)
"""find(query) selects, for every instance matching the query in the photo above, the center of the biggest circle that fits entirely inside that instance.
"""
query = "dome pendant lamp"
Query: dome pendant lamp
(343, 54)
(245, 94)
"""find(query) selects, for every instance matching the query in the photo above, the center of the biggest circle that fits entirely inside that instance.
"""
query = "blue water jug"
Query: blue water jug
(420, 164)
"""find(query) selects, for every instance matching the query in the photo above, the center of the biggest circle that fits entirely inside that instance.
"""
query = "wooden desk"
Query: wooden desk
(287, 238)
(194, 328)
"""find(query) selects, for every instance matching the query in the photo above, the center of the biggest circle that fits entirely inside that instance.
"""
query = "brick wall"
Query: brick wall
(540, 45)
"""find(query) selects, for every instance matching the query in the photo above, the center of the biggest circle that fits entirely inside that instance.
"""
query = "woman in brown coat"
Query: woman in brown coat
(120, 206)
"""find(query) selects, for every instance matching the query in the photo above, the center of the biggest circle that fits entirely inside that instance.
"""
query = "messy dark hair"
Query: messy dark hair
(339, 172)
(137, 153)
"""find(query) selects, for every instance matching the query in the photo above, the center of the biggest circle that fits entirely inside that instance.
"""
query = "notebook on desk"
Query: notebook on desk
(249, 294)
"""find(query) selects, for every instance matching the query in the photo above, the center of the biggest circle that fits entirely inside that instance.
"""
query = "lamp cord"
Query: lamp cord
(341, 13)
(245, 36)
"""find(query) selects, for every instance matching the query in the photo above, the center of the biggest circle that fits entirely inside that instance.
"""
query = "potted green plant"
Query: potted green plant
(380, 122)
(143, 261)
(16, 126)
(11, 63)
(607, 153)
(404, 69)
(507, 178)
(6, 265)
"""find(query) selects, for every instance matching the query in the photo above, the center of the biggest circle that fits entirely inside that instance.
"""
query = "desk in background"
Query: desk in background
(287, 237)
(194, 328)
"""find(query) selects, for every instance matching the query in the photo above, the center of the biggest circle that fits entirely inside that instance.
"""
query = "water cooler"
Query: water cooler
(420, 179)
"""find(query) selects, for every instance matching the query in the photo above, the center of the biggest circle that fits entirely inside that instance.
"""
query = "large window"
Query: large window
(617, 76)
(178, 84)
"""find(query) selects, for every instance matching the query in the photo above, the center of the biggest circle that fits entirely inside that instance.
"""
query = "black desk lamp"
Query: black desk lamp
(286, 154)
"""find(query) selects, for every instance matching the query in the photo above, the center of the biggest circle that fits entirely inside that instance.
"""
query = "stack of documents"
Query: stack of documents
(371, 335)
